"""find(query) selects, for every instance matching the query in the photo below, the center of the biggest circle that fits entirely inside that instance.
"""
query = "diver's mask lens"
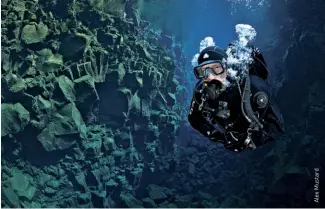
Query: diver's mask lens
(203, 71)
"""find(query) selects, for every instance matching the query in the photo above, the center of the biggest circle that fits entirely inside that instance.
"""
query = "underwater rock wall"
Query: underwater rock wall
(297, 58)
(90, 104)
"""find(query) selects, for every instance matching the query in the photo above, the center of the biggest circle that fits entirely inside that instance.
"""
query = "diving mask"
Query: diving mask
(215, 68)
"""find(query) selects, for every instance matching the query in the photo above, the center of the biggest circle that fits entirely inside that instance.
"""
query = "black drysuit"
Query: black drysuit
(219, 127)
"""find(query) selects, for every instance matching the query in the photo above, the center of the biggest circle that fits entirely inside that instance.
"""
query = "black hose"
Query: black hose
(246, 104)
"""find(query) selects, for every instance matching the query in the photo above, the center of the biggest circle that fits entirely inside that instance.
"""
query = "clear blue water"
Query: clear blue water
(191, 21)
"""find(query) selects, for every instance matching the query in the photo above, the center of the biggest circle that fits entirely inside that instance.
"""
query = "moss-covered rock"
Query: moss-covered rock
(15, 83)
(67, 127)
(67, 88)
(143, 51)
(50, 191)
(121, 72)
(19, 182)
(34, 33)
(135, 104)
(109, 144)
(44, 108)
(42, 104)
(14, 118)
(28, 194)
(55, 184)
(11, 197)
(114, 7)
(85, 88)
(37, 81)
(83, 198)
(110, 185)
(81, 181)
(47, 62)
(92, 145)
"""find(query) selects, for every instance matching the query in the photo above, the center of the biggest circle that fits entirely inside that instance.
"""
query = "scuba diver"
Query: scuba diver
(240, 114)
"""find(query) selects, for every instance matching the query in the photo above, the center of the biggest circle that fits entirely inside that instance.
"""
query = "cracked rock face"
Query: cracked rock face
(15, 118)
(67, 127)
(80, 105)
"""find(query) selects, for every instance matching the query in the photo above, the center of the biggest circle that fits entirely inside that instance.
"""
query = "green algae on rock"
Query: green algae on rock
(14, 118)
(115, 7)
(65, 65)
(34, 33)
(15, 83)
(19, 182)
(92, 145)
(67, 88)
(22, 186)
(65, 129)
(47, 61)
(85, 88)
(11, 197)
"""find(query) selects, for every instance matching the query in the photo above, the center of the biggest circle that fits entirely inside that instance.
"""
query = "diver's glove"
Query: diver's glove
(217, 136)
(226, 140)
(258, 138)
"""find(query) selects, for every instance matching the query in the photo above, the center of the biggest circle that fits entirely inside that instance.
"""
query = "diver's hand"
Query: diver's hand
(216, 136)
(229, 144)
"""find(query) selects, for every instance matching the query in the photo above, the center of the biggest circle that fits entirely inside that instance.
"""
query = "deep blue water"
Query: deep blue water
(192, 21)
